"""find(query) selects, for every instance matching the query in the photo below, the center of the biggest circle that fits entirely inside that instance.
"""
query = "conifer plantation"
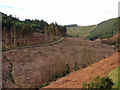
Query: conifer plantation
(17, 33)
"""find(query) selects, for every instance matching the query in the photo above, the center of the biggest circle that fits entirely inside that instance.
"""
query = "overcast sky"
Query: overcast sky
(64, 12)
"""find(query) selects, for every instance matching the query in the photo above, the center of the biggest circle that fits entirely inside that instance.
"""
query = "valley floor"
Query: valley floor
(76, 78)
(31, 67)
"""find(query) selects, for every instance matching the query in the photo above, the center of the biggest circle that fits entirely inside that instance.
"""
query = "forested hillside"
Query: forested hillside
(27, 32)
(105, 29)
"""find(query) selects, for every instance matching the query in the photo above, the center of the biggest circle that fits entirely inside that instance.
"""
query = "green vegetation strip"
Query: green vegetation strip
(108, 81)
(10, 73)
(99, 83)
(114, 76)
(44, 44)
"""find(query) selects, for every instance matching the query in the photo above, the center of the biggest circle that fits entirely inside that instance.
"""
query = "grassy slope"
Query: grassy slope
(114, 76)
(105, 29)
(80, 31)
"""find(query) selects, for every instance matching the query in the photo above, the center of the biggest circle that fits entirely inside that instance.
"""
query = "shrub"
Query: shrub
(67, 69)
(104, 82)
(116, 45)
(56, 75)
(45, 83)
(118, 49)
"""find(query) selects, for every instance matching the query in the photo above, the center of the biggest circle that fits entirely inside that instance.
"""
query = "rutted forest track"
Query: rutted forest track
(39, 45)
(32, 66)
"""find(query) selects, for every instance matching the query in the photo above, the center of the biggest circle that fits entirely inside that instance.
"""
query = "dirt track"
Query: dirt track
(76, 78)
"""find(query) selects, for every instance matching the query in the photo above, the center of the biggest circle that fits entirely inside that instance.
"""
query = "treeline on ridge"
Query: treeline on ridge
(16, 31)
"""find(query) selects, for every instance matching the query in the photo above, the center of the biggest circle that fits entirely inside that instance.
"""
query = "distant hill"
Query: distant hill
(105, 29)
(80, 31)
(71, 25)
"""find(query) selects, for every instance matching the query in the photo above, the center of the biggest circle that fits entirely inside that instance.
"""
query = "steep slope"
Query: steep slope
(105, 29)
(112, 40)
(114, 76)
(76, 79)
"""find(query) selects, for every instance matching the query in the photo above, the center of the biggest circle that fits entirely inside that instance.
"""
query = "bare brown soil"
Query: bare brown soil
(111, 40)
(76, 78)
(32, 66)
